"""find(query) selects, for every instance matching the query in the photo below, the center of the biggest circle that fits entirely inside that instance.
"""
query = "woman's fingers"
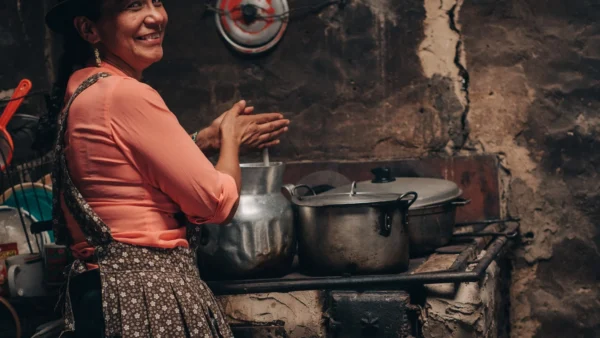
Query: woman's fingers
(262, 130)
(267, 117)
(269, 144)
(259, 140)
(272, 126)
(267, 137)
(248, 110)
(270, 132)
(238, 108)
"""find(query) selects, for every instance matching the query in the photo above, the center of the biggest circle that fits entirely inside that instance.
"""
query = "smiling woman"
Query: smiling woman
(129, 34)
(125, 168)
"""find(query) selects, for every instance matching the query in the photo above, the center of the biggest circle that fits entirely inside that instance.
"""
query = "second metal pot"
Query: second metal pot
(431, 227)
(431, 218)
(353, 233)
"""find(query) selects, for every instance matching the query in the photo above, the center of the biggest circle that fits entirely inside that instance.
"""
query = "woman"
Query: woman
(125, 169)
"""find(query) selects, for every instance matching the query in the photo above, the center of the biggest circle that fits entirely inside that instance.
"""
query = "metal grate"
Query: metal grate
(464, 268)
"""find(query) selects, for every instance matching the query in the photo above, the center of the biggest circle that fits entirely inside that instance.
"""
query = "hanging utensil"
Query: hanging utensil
(6, 143)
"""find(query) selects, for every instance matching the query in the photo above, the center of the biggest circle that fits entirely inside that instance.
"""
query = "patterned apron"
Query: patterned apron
(146, 291)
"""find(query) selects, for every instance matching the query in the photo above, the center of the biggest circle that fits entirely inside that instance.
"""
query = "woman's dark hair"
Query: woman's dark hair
(76, 54)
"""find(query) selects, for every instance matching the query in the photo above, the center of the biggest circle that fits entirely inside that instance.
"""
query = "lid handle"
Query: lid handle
(382, 175)
(353, 189)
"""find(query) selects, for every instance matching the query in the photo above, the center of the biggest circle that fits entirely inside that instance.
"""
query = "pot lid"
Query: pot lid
(431, 190)
(252, 26)
(324, 180)
(351, 198)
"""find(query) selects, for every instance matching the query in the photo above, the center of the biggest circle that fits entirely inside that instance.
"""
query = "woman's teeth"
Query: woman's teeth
(149, 36)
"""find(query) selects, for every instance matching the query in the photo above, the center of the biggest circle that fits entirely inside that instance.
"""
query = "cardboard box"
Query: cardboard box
(6, 250)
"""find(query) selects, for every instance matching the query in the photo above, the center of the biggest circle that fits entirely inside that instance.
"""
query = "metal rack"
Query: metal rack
(462, 270)
(32, 173)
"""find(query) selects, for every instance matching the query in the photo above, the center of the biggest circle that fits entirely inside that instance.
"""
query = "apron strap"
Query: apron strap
(95, 230)
(88, 220)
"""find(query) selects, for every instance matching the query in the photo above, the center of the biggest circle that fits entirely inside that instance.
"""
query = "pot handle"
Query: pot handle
(410, 193)
(291, 189)
(460, 202)
(386, 218)
(385, 223)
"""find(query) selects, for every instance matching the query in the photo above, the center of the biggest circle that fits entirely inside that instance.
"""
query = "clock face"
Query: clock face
(252, 26)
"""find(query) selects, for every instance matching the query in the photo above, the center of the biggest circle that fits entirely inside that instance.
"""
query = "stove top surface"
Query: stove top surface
(465, 259)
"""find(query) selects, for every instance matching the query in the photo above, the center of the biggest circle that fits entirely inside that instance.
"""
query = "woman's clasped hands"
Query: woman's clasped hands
(249, 131)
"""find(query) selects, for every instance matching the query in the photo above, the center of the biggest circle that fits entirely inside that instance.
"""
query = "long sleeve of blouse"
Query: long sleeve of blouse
(151, 138)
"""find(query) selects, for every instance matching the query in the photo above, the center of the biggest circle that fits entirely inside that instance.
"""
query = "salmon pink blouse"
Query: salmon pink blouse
(136, 166)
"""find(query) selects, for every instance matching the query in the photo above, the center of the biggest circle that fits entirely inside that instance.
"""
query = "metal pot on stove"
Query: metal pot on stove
(261, 239)
(353, 232)
(431, 217)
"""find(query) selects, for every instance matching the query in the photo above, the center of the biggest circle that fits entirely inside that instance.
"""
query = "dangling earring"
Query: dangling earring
(97, 55)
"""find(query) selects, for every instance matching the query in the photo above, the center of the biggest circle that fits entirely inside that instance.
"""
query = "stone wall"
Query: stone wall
(413, 78)
(535, 75)
(349, 80)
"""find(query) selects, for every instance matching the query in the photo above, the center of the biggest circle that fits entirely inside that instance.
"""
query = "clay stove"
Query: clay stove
(456, 291)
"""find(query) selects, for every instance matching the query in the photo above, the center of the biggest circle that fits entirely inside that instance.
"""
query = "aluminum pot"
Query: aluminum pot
(431, 227)
(431, 218)
(261, 239)
(355, 232)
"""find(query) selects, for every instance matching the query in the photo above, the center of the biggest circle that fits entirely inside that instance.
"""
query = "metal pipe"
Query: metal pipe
(358, 282)
(460, 263)
(490, 255)
(489, 221)
(355, 282)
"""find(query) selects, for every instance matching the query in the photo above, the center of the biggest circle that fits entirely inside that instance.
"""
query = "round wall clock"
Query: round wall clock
(252, 26)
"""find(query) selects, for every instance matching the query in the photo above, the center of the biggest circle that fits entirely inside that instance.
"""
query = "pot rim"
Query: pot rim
(261, 165)
(452, 203)
(444, 192)
(357, 199)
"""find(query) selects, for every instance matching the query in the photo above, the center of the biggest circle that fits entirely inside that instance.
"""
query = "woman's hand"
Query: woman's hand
(261, 130)
(230, 130)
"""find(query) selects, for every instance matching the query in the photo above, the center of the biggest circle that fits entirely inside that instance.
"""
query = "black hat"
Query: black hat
(60, 17)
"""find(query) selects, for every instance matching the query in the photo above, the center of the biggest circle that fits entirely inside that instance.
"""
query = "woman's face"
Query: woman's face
(132, 31)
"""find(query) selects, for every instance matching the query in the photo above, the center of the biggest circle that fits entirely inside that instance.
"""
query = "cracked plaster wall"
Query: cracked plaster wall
(467, 310)
(300, 312)
(349, 80)
(535, 73)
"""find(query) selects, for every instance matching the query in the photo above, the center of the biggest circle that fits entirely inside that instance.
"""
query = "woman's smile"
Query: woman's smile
(131, 34)
(151, 39)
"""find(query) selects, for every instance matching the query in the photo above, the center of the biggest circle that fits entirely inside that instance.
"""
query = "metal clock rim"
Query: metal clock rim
(260, 49)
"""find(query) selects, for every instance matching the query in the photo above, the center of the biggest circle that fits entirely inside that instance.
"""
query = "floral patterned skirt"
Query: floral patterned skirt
(154, 292)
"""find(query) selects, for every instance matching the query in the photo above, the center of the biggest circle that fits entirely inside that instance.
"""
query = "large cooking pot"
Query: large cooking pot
(352, 232)
(260, 240)
(431, 217)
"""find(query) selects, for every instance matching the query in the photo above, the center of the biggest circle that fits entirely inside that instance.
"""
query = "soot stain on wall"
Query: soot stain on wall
(535, 70)
(349, 79)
